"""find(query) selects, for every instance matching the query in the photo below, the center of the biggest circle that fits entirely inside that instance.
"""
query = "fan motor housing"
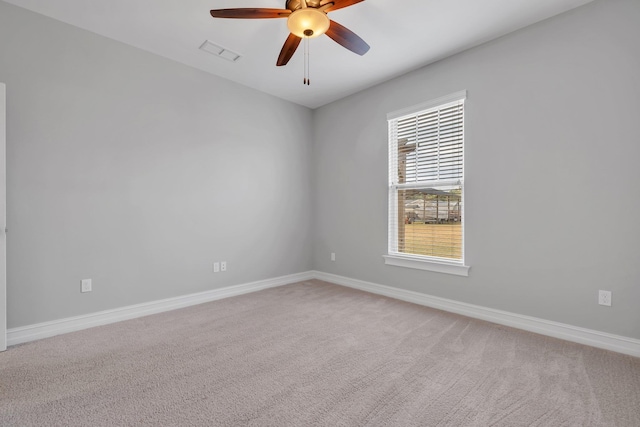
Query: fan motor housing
(296, 4)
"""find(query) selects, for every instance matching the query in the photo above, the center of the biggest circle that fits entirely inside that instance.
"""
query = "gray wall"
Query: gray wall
(552, 137)
(139, 172)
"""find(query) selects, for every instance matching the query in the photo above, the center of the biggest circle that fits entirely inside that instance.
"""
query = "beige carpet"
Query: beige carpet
(314, 354)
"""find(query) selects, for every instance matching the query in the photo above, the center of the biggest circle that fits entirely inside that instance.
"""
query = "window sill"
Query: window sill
(455, 268)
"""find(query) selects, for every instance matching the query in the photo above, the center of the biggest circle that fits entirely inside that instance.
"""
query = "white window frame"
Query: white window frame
(421, 262)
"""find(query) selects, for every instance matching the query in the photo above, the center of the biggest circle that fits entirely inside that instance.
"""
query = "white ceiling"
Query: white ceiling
(403, 35)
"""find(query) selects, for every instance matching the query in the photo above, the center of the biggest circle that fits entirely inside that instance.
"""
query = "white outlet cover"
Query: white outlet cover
(604, 298)
(223, 266)
(85, 285)
(216, 267)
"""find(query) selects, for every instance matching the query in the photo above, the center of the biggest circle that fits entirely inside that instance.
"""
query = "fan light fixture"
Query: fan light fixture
(308, 22)
(306, 19)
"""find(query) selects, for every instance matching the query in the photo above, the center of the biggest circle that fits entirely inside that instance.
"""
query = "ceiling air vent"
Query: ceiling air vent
(220, 51)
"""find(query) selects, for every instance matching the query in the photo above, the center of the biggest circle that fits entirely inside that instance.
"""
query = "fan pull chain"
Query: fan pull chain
(308, 65)
(306, 79)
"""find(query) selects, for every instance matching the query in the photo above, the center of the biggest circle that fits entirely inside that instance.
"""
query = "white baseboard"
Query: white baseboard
(563, 331)
(576, 334)
(56, 327)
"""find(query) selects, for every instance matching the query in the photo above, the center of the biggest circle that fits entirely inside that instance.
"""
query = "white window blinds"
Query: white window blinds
(429, 144)
(426, 173)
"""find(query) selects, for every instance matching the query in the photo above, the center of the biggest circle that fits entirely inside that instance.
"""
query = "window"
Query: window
(426, 186)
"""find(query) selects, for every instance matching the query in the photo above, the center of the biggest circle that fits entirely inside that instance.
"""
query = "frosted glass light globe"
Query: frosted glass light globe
(308, 22)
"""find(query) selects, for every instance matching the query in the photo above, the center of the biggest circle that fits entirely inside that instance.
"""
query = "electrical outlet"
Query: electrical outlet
(604, 298)
(216, 267)
(85, 285)
(333, 256)
(223, 266)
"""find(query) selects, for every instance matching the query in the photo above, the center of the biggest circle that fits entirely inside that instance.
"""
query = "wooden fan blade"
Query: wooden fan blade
(288, 49)
(347, 38)
(338, 4)
(248, 13)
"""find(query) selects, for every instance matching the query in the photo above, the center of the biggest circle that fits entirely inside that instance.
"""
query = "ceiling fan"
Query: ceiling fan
(305, 19)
